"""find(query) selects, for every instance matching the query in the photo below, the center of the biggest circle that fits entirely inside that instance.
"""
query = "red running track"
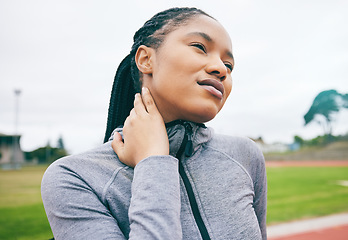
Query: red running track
(333, 233)
(313, 163)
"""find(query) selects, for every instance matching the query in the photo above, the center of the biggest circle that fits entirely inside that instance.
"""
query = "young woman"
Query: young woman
(163, 174)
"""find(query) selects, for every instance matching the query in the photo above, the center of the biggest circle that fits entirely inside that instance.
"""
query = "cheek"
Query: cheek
(178, 62)
(165, 71)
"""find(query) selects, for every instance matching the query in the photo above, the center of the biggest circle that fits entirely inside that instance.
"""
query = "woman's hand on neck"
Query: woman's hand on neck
(144, 132)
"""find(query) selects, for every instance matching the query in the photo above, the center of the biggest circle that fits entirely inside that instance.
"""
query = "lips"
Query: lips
(213, 86)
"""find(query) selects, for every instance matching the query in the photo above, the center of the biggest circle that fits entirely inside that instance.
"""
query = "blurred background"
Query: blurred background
(58, 60)
(62, 56)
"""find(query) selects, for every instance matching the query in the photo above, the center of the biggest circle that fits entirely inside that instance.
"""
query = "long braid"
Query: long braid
(127, 80)
(121, 94)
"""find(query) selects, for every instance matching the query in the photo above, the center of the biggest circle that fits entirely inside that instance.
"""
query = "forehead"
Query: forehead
(206, 25)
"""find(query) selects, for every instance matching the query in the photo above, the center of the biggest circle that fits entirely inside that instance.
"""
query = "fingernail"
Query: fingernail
(144, 89)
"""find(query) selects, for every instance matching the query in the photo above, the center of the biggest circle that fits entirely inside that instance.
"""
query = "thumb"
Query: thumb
(117, 144)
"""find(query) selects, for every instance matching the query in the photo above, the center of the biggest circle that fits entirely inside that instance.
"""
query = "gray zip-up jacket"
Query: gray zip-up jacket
(209, 187)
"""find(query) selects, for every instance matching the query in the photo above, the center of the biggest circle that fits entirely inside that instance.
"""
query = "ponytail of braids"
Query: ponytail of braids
(122, 97)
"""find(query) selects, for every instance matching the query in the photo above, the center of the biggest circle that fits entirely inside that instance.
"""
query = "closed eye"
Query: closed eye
(200, 46)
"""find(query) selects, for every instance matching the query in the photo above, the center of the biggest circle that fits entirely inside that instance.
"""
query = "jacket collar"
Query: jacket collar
(176, 133)
(177, 129)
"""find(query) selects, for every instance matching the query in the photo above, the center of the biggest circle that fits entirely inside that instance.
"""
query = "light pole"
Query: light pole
(15, 154)
(17, 93)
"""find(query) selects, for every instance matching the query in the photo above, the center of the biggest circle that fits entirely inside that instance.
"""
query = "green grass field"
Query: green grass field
(305, 192)
(293, 193)
(22, 215)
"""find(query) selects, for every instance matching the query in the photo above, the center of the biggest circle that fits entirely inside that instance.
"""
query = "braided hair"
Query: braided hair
(127, 80)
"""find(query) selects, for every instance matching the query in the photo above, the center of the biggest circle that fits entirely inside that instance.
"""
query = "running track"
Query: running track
(332, 231)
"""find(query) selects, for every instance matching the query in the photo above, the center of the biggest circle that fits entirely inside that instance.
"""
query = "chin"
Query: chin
(204, 116)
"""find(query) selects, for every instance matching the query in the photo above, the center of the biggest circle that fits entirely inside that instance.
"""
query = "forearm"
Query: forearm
(155, 204)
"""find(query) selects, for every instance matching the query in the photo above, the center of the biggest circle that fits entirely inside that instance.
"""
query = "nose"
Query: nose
(217, 68)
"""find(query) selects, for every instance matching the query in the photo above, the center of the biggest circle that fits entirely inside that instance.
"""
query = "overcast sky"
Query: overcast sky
(63, 56)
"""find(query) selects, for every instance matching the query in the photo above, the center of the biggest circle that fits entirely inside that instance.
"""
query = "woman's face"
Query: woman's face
(191, 71)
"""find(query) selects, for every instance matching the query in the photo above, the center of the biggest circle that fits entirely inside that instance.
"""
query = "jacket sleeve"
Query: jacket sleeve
(75, 211)
(260, 188)
(155, 204)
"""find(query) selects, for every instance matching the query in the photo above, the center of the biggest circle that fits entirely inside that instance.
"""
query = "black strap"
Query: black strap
(193, 203)
(194, 206)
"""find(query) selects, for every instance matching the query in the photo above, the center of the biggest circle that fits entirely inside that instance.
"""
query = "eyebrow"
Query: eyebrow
(202, 34)
(209, 39)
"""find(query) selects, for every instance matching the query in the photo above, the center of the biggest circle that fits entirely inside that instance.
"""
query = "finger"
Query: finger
(133, 115)
(117, 144)
(139, 107)
(148, 101)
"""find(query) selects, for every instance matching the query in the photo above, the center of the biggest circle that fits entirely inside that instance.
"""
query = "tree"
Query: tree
(60, 143)
(345, 100)
(299, 140)
(46, 154)
(325, 104)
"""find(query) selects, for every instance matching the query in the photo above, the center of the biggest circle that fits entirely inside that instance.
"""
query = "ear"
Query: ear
(144, 59)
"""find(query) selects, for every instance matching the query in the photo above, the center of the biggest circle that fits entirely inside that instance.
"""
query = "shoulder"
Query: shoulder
(92, 168)
(100, 156)
(235, 145)
(241, 149)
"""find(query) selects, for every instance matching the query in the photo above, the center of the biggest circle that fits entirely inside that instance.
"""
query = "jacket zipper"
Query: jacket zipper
(187, 146)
